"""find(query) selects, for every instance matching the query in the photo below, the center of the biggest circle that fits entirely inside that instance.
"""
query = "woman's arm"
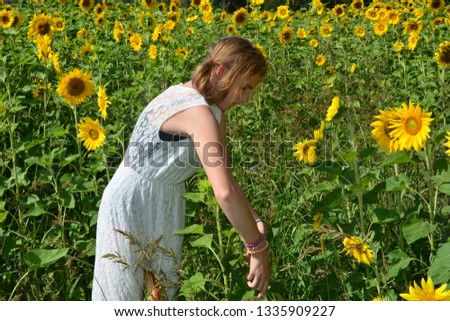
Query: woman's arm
(200, 124)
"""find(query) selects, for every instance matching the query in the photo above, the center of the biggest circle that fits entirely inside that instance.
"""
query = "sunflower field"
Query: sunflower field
(344, 149)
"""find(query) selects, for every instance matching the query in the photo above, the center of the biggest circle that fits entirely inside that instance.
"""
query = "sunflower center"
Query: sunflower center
(43, 28)
(413, 26)
(413, 125)
(436, 4)
(86, 3)
(445, 54)
(240, 18)
(93, 134)
(286, 35)
(6, 19)
(75, 87)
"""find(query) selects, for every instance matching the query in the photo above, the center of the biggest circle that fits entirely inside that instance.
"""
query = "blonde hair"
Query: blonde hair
(239, 56)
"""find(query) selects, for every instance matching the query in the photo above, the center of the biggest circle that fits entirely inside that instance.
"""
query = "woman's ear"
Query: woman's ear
(221, 71)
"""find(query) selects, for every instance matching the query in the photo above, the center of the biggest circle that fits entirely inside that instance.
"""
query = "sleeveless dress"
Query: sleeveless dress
(142, 205)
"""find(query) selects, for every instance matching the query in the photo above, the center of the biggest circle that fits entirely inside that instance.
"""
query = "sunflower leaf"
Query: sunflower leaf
(397, 183)
(397, 158)
(398, 260)
(415, 229)
(439, 270)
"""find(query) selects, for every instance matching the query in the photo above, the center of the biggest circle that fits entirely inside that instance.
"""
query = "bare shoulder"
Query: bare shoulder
(188, 121)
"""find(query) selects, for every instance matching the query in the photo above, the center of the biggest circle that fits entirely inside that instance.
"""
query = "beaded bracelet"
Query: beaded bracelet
(255, 244)
(263, 248)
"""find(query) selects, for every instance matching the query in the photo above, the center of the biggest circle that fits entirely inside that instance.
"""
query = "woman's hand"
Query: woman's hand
(259, 274)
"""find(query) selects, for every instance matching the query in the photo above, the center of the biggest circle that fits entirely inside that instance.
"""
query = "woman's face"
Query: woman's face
(239, 92)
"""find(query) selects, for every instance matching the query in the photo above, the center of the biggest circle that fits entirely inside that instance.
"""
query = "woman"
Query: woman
(142, 205)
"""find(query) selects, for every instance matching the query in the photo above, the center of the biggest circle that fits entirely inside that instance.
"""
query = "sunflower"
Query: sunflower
(333, 109)
(54, 56)
(17, 20)
(86, 5)
(91, 133)
(136, 41)
(314, 43)
(302, 33)
(427, 292)
(240, 17)
(360, 31)
(435, 5)
(181, 52)
(352, 68)
(196, 3)
(380, 27)
(152, 51)
(149, 3)
(359, 249)
(231, 29)
(258, 2)
(442, 55)
(381, 131)
(75, 87)
(261, 49)
(393, 17)
(339, 10)
(205, 7)
(357, 5)
(411, 128)
(118, 30)
(102, 101)
(372, 14)
(6, 18)
(320, 60)
(286, 35)
(325, 31)
(282, 12)
(447, 144)
(58, 23)
(86, 49)
(413, 40)
(318, 133)
(98, 9)
(306, 151)
(41, 26)
(398, 46)
(413, 25)
(44, 45)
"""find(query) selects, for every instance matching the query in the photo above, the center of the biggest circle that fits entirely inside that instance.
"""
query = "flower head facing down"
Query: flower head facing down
(381, 131)
(359, 249)
(102, 101)
(75, 87)
(91, 133)
(447, 144)
(426, 292)
(333, 109)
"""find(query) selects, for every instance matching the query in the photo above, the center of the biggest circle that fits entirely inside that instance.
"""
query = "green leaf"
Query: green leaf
(35, 211)
(66, 199)
(398, 260)
(415, 229)
(203, 241)
(383, 215)
(331, 200)
(192, 229)
(439, 270)
(195, 284)
(57, 131)
(397, 158)
(445, 188)
(194, 197)
(40, 258)
(397, 183)
(3, 216)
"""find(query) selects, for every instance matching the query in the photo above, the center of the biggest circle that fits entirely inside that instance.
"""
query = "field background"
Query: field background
(398, 203)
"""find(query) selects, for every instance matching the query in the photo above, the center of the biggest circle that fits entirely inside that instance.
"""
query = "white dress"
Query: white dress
(143, 200)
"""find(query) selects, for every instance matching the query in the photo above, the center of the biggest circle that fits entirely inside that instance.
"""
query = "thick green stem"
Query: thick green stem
(221, 248)
(431, 193)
